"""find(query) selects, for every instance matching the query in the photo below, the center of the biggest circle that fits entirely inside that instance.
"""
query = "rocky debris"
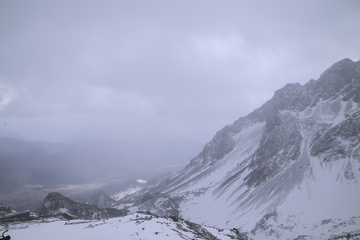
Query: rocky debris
(184, 227)
(160, 204)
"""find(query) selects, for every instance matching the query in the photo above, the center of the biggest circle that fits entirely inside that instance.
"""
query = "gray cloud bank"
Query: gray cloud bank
(159, 69)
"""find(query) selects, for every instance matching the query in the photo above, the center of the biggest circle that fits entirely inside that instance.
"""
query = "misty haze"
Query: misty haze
(187, 119)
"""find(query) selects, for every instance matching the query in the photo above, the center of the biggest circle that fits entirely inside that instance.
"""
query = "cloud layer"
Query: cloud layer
(154, 69)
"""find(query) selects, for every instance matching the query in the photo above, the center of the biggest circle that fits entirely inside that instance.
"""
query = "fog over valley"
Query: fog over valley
(81, 168)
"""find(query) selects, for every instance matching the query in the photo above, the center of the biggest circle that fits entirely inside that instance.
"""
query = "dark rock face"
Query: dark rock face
(57, 205)
(101, 200)
(221, 144)
(338, 142)
(279, 145)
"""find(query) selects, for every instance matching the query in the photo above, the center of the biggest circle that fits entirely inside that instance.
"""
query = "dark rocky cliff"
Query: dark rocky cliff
(57, 205)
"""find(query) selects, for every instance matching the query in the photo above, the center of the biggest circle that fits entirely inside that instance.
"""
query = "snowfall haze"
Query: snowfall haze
(100, 94)
(80, 70)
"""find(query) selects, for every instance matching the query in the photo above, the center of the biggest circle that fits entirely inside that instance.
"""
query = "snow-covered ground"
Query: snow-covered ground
(135, 226)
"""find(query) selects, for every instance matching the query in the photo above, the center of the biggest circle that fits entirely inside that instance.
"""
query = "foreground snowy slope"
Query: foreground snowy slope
(285, 170)
(136, 226)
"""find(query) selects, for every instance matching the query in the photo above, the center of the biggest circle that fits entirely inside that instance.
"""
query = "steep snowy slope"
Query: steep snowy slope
(285, 168)
(128, 191)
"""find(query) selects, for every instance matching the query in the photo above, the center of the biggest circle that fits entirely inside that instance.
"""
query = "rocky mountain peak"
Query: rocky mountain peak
(341, 79)
(344, 67)
(101, 199)
(57, 205)
(55, 200)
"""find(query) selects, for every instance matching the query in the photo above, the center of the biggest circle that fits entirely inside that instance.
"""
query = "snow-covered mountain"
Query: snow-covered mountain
(283, 171)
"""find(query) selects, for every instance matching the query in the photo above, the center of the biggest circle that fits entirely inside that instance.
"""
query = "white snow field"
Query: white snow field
(135, 226)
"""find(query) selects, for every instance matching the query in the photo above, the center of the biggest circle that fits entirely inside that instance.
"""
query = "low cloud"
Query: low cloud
(71, 66)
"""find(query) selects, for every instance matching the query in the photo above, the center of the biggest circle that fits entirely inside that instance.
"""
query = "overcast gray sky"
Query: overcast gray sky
(159, 69)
